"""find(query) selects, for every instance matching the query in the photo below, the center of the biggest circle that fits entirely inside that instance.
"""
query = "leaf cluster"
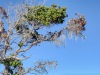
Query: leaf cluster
(46, 15)
(11, 62)
(20, 44)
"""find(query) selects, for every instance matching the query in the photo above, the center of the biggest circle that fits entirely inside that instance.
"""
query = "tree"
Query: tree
(22, 33)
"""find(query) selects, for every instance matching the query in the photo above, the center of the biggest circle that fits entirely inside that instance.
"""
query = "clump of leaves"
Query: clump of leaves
(11, 62)
(20, 44)
(44, 15)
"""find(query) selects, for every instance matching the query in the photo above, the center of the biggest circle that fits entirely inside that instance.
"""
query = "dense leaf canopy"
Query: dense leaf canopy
(44, 15)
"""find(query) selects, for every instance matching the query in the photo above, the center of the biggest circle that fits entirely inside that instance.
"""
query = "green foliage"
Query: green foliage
(11, 62)
(46, 15)
(20, 44)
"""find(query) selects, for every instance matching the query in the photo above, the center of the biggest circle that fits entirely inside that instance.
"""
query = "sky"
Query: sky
(79, 57)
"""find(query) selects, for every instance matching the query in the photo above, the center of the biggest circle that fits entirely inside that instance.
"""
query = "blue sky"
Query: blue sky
(81, 57)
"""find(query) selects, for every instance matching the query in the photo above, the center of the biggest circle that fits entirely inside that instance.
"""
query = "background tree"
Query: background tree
(24, 23)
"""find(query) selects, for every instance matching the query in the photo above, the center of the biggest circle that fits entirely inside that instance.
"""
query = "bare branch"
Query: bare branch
(41, 67)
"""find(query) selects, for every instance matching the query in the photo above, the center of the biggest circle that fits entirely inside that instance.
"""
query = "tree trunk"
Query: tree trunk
(6, 71)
